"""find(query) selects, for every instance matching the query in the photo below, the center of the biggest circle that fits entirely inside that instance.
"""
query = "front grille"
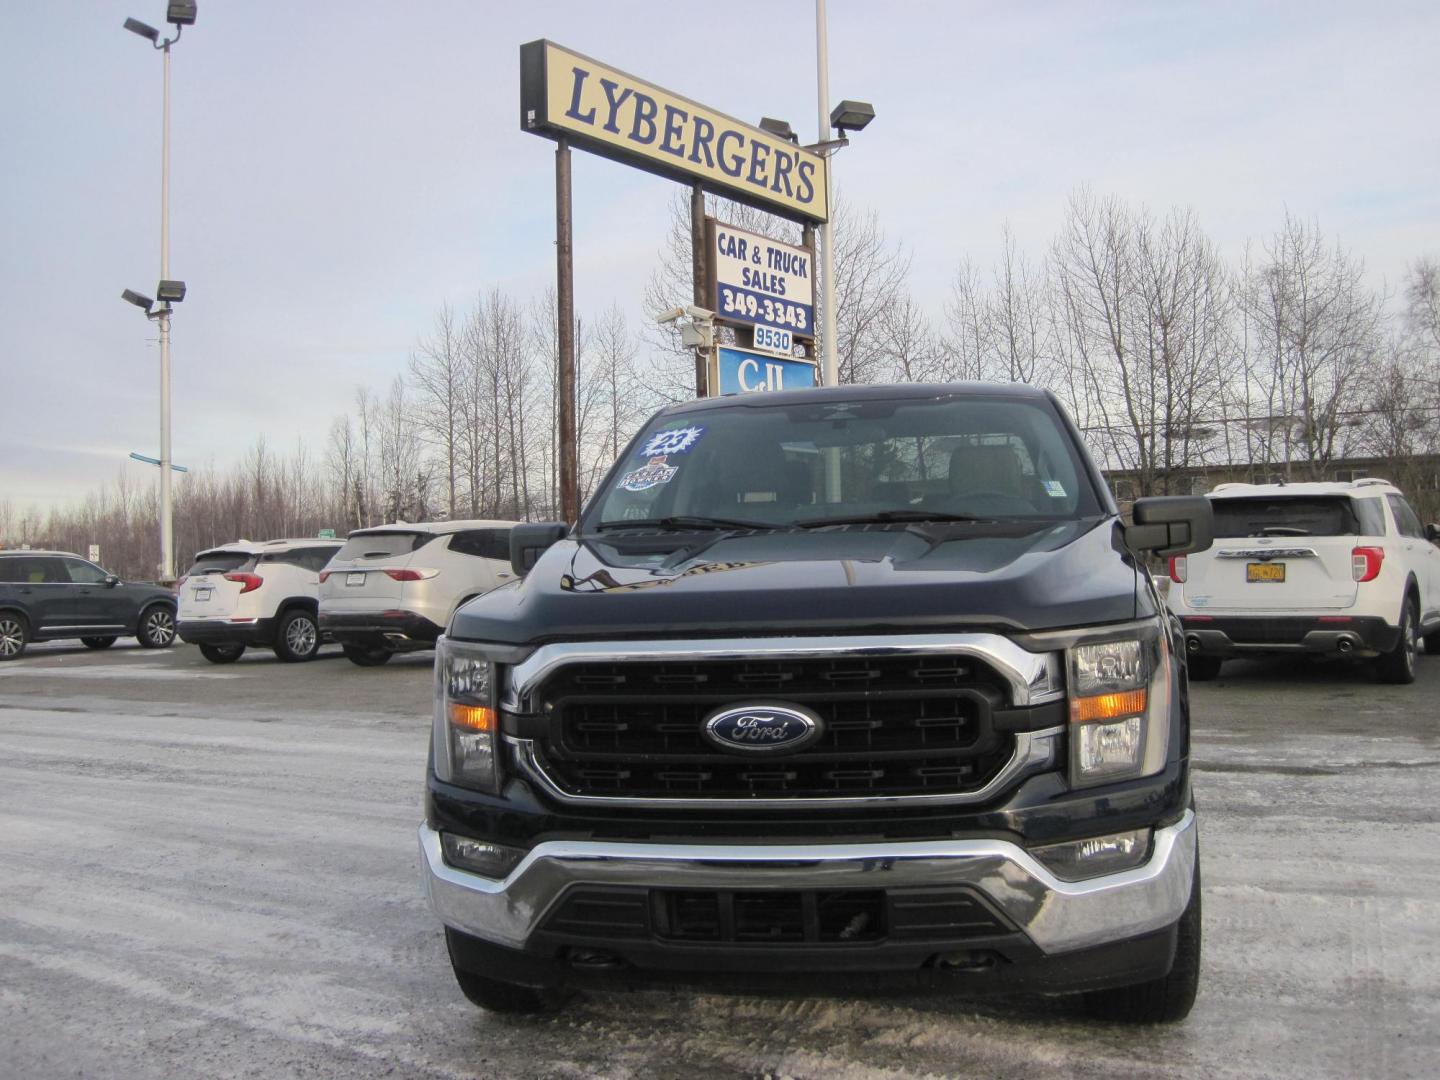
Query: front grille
(775, 917)
(893, 725)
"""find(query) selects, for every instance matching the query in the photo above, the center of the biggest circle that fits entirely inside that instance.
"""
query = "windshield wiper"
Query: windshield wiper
(1284, 530)
(881, 517)
(685, 521)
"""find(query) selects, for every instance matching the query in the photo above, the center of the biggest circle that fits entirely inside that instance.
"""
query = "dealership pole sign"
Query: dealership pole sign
(601, 109)
(761, 283)
(744, 371)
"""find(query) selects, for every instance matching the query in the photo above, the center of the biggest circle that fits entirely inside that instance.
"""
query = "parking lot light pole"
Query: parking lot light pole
(180, 14)
(829, 365)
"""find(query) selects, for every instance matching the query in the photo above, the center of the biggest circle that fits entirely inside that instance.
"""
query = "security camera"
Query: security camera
(669, 316)
(699, 313)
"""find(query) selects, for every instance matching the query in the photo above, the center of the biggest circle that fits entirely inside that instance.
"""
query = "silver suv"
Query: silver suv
(393, 588)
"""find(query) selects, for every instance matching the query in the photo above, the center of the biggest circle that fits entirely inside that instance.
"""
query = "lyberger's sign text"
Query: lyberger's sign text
(620, 116)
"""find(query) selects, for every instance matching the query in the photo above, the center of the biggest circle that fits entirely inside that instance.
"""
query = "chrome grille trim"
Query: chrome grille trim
(1033, 678)
(1035, 751)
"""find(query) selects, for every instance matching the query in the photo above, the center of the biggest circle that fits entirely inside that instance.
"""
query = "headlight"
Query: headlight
(466, 721)
(1119, 708)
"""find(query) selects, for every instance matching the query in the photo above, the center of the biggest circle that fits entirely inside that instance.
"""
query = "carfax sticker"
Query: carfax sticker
(678, 441)
(1054, 489)
(653, 473)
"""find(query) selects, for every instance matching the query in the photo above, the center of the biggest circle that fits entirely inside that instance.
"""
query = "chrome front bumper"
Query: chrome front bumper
(1058, 916)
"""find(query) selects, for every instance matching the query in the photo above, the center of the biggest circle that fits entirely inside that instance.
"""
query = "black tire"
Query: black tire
(1398, 665)
(1203, 668)
(492, 994)
(367, 656)
(226, 653)
(1432, 643)
(14, 635)
(1160, 1001)
(97, 642)
(297, 638)
(156, 629)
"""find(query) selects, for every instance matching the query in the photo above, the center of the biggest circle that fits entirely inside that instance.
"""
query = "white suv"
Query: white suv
(1335, 569)
(394, 587)
(247, 593)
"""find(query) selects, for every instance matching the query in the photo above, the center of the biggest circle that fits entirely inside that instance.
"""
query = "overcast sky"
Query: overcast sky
(340, 170)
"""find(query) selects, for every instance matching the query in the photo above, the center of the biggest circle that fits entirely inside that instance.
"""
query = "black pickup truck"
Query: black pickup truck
(855, 686)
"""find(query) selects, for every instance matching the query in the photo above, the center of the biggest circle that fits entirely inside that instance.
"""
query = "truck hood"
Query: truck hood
(1006, 577)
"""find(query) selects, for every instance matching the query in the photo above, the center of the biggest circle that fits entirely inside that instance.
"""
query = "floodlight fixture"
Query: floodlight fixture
(143, 302)
(181, 13)
(852, 115)
(780, 128)
(135, 26)
(170, 292)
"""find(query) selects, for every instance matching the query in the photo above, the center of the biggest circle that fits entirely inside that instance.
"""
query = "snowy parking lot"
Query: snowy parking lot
(213, 871)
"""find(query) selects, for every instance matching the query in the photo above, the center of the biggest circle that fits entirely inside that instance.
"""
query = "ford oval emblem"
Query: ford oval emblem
(763, 728)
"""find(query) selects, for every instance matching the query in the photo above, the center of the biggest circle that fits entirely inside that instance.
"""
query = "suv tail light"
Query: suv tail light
(248, 582)
(325, 574)
(1177, 568)
(411, 575)
(180, 583)
(1365, 563)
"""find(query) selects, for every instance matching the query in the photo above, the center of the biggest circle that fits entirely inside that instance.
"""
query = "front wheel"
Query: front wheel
(1398, 665)
(157, 627)
(1432, 643)
(363, 656)
(1165, 1000)
(227, 653)
(97, 642)
(297, 638)
(14, 635)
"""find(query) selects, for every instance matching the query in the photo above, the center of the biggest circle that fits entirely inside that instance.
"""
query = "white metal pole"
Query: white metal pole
(167, 539)
(826, 232)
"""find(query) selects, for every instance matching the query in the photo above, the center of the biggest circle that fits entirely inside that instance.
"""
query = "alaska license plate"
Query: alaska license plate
(355, 578)
(1265, 571)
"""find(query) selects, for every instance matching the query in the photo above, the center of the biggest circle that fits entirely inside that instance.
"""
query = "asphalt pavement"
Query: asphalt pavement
(212, 871)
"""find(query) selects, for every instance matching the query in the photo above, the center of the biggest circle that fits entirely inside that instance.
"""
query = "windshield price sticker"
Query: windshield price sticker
(675, 441)
(762, 281)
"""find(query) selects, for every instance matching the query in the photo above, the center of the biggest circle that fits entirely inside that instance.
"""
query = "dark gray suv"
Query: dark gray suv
(45, 595)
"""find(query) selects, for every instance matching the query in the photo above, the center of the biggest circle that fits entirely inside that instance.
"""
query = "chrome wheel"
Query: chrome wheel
(12, 637)
(300, 636)
(159, 629)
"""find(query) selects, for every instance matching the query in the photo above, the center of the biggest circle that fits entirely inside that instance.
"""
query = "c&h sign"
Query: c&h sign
(744, 372)
(760, 281)
(619, 116)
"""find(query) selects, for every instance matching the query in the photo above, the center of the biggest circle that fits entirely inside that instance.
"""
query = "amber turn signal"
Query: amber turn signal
(1106, 706)
(474, 717)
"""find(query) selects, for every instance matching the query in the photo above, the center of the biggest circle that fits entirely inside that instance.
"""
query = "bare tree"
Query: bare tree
(1318, 334)
(437, 378)
(1144, 306)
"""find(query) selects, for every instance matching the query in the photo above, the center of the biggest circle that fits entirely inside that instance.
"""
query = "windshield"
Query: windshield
(864, 460)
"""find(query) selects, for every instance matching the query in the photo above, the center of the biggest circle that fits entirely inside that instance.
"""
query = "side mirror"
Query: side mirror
(528, 543)
(111, 581)
(1432, 533)
(1171, 525)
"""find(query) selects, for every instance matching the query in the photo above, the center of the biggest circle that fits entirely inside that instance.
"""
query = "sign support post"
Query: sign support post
(700, 280)
(565, 335)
